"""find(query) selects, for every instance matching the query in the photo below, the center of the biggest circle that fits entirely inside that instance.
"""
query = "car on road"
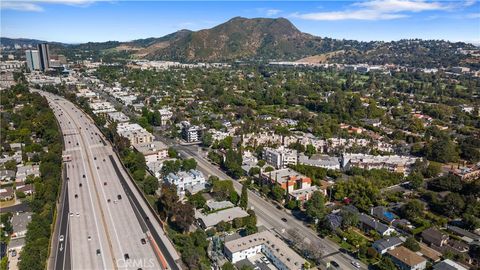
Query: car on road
(284, 219)
(126, 256)
(334, 263)
(356, 264)
(119, 196)
(143, 241)
(98, 252)
(61, 238)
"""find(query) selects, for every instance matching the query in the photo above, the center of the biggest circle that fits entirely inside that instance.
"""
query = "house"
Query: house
(464, 234)
(19, 223)
(6, 193)
(7, 175)
(281, 255)
(429, 253)
(27, 189)
(448, 265)
(152, 151)
(368, 223)
(433, 236)
(207, 221)
(406, 259)
(386, 244)
(26, 170)
(382, 214)
(333, 221)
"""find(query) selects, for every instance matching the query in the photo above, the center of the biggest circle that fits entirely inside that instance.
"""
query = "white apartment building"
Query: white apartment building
(190, 133)
(394, 163)
(281, 255)
(134, 133)
(102, 107)
(118, 117)
(165, 115)
(186, 180)
(280, 157)
(152, 151)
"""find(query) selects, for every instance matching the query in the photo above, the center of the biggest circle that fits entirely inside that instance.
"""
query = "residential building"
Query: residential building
(134, 133)
(117, 117)
(382, 214)
(27, 189)
(322, 161)
(190, 133)
(280, 157)
(281, 255)
(214, 205)
(183, 180)
(19, 222)
(6, 193)
(165, 115)
(99, 107)
(7, 175)
(298, 186)
(467, 174)
(393, 163)
(44, 56)
(466, 236)
(385, 244)
(26, 170)
(448, 265)
(429, 253)
(152, 151)
(433, 236)
(33, 60)
(406, 259)
(208, 221)
(368, 223)
(333, 221)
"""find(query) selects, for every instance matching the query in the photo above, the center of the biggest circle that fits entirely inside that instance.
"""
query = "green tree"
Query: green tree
(416, 180)
(412, 244)
(278, 193)
(150, 185)
(244, 198)
(228, 266)
(315, 207)
(189, 164)
(310, 150)
(412, 209)
(197, 200)
(207, 139)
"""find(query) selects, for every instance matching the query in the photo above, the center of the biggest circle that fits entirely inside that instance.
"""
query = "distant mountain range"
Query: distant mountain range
(276, 39)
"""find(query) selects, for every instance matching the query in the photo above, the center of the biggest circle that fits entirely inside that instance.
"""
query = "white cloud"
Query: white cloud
(36, 5)
(473, 16)
(20, 6)
(378, 10)
(273, 12)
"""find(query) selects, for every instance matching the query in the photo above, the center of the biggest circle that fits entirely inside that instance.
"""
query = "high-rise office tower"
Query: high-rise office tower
(33, 60)
(44, 56)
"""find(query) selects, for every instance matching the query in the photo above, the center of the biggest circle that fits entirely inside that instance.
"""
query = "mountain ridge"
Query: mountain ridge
(277, 39)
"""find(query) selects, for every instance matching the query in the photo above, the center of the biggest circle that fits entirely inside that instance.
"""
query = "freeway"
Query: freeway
(271, 217)
(104, 220)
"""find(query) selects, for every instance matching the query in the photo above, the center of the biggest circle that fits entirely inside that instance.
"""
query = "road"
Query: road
(105, 222)
(271, 217)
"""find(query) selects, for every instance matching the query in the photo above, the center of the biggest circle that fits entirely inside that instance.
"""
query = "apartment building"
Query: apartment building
(280, 157)
(281, 255)
(184, 181)
(134, 133)
(190, 133)
(152, 151)
(298, 186)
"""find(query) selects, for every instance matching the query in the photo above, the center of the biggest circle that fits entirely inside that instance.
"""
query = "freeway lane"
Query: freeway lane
(62, 259)
(270, 216)
(104, 230)
(106, 221)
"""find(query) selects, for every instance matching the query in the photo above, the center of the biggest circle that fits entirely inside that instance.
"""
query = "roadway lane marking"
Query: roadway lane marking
(108, 208)
(92, 205)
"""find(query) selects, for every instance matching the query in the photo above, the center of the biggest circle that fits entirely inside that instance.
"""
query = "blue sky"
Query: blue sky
(89, 20)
